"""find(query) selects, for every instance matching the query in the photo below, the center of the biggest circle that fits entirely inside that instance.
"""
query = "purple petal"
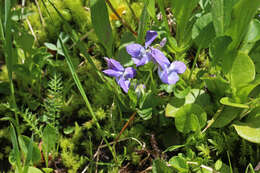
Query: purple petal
(163, 42)
(178, 67)
(159, 58)
(124, 84)
(136, 61)
(134, 50)
(129, 72)
(143, 61)
(113, 64)
(163, 75)
(173, 78)
(112, 73)
(150, 37)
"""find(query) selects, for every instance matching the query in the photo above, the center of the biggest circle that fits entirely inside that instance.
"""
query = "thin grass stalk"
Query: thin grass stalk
(132, 11)
(8, 55)
(83, 94)
(82, 49)
(120, 18)
(194, 62)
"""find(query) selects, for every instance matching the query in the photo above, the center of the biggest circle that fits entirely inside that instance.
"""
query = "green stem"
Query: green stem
(194, 63)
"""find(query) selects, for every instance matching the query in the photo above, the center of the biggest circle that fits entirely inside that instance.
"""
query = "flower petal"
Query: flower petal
(173, 78)
(113, 73)
(143, 61)
(134, 50)
(179, 67)
(124, 84)
(113, 64)
(163, 75)
(129, 73)
(158, 57)
(150, 37)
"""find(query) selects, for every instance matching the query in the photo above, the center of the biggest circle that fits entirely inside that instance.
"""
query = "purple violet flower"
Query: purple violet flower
(122, 75)
(169, 74)
(142, 55)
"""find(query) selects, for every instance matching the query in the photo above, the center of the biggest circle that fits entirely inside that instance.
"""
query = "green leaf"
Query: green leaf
(216, 85)
(151, 8)
(179, 163)
(34, 170)
(50, 138)
(143, 24)
(226, 116)
(221, 15)
(249, 130)
(101, 24)
(160, 166)
(183, 10)
(228, 102)
(24, 40)
(203, 31)
(25, 143)
(243, 71)
(241, 15)
(190, 117)
(218, 53)
(50, 46)
(173, 107)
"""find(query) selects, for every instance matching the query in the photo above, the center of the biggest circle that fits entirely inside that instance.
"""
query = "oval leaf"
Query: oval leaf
(249, 130)
(226, 101)
(190, 117)
(243, 71)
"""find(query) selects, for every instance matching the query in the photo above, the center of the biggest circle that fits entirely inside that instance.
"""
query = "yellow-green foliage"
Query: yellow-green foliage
(69, 158)
(52, 24)
(80, 16)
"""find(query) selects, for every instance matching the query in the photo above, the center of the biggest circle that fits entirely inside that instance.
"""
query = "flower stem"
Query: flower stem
(194, 62)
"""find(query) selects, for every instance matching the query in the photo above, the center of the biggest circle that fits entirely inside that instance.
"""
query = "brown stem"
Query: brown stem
(125, 126)
(119, 17)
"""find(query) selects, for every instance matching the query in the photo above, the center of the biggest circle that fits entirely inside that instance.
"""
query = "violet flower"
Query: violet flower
(142, 55)
(122, 75)
(169, 74)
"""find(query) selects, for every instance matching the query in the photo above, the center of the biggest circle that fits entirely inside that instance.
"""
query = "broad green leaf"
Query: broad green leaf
(241, 15)
(34, 170)
(218, 52)
(190, 117)
(49, 138)
(160, 166)
(252, 36)
(243, 92)
(173, 107)
(221, 15)
(101, 24)
(203, 31)
(243, 71)
(255, 54)
(228, 102)
(24, 40)
(143, 24)
(226, 116)
(151, 8)
(216, 85)
(35, 153)
(182, 10)
(179, 163)
(194, 96)
(249, 130)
